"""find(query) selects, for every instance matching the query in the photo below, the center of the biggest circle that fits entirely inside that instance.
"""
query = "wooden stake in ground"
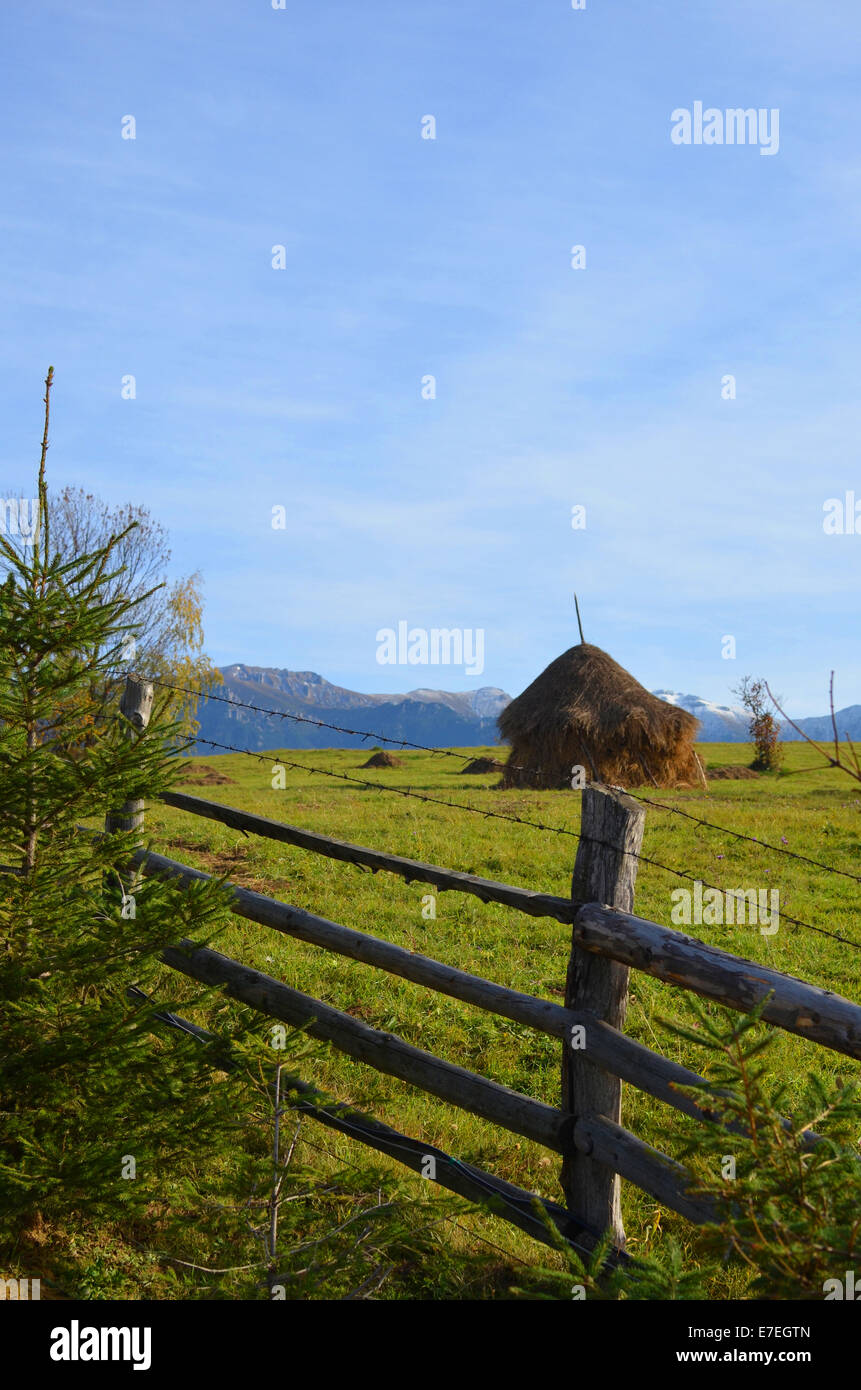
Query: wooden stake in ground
(605, 871)
(579, 624)
(136, 705)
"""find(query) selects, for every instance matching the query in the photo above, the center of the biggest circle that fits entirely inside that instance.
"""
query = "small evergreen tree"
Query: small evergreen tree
(106, 1116)
(788, 1209)
(94, 1111)
(787, 1212)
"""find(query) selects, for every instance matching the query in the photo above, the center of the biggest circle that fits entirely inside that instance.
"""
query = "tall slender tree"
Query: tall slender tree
(95, 1113)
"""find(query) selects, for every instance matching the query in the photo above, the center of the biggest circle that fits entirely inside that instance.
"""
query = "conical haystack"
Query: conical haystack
(383, 760)
(585, 710)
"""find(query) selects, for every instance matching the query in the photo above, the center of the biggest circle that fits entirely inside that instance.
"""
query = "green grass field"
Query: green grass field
(815, 812)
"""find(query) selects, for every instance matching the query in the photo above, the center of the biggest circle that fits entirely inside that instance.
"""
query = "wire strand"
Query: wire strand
(526, 771)
(517, 820)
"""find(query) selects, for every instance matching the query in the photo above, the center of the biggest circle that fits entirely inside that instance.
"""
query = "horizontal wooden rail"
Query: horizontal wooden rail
(607, 941)
(604, 1046)
(796, 1006)
(385, 1051)
(535, 904)
(542, 1014)
(647, 1168)
(505, 1200)
(668, 955)
(545, 1125)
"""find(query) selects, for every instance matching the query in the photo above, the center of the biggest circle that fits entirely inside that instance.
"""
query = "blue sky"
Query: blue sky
(301, 387)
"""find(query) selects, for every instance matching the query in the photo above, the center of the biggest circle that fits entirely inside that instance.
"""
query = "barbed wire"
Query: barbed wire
(336, 728)
(472, 1174)
(336, 1108)
(320, 1148)
(740, 835)
(533, 772)
(276, 756)
(517, 820)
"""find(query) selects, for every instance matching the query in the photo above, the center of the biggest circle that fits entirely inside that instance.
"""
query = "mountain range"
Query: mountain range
(729, 724)
(436, 718)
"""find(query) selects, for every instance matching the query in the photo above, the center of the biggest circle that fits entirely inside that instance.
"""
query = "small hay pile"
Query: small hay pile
(586, 710)
(483, 765)
(383, 760)
(205, 776)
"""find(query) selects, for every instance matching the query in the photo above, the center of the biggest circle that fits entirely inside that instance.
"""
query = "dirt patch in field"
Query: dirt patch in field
(177, 842)
(206, 776)
(731, 774)
(223, 860)
(219, 861)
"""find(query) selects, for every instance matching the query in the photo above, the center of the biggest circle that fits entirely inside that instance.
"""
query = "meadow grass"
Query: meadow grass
(815, 813)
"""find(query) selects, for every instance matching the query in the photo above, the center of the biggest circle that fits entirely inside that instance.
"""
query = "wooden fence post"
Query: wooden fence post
(136, 705)
(599, 986)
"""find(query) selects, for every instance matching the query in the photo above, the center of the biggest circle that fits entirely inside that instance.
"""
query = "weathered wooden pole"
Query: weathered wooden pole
(605, 871)
(136, 705)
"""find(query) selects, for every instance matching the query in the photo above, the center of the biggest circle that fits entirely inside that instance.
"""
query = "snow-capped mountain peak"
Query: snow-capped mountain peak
(719, 723)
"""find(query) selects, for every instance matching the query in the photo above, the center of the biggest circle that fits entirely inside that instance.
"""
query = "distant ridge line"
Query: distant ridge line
(437, 717)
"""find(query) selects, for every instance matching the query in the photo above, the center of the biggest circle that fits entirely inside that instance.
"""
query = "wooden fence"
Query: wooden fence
(607, 941)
